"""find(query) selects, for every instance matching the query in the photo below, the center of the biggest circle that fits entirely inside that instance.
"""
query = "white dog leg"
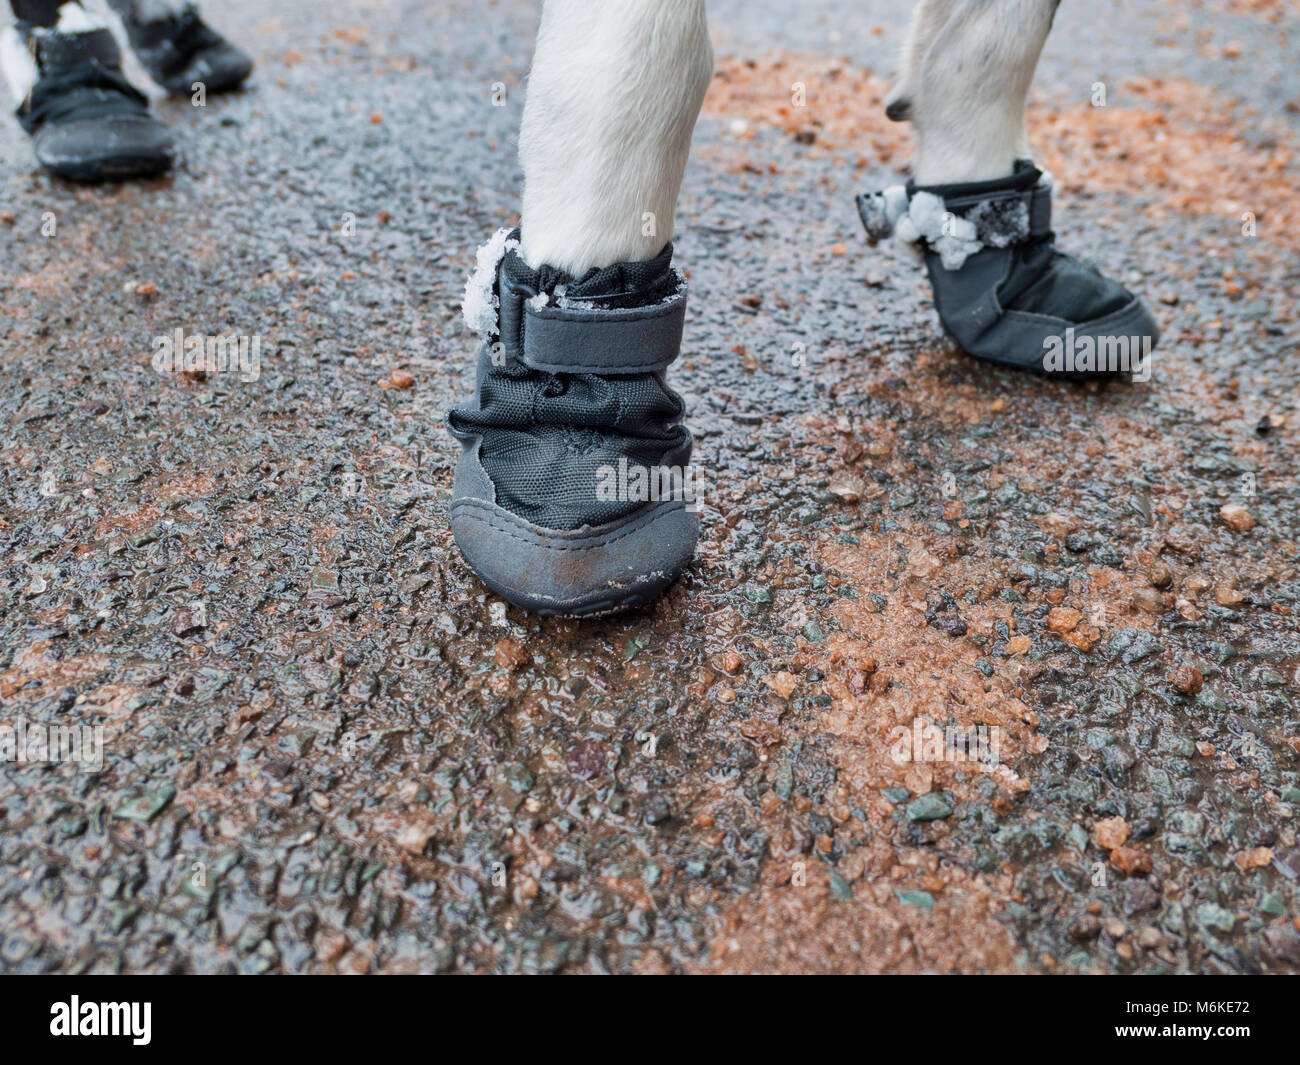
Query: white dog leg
(613, 96)
(967, 68)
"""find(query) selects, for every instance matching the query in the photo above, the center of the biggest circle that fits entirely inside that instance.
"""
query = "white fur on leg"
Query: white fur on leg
(17, 60)
(968, 68)
(928, 17)
(19, 66)
(612, 100)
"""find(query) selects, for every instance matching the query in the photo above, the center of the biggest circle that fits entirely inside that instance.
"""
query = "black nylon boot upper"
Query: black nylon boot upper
(1042, 279)
(182, 49)
(546, 436)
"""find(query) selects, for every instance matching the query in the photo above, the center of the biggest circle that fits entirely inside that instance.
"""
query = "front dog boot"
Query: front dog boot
(1002, 290)
(86, 121)
(573, 494)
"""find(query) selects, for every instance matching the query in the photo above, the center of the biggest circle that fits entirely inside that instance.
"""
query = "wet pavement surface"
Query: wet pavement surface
(326, 747)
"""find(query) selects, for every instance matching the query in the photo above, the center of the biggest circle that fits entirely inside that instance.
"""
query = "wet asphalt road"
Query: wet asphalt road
(328, 748)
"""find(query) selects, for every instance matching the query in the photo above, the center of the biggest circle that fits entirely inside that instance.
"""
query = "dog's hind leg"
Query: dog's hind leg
(982, 212)
(967, 81)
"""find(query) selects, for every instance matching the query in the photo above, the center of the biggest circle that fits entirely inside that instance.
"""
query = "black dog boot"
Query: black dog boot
(86, 121)
(573, 494)
(178, 48)
(1002, 290)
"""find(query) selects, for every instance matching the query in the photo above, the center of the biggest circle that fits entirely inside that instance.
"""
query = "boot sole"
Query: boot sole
(109, 168)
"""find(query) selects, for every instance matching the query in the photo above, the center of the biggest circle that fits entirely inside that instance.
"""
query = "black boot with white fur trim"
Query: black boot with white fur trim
(1002, 289)
(86, 121)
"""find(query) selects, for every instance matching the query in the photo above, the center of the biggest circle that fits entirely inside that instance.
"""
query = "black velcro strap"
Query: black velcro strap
(58, 51)
(579, 337)
(1040, 212)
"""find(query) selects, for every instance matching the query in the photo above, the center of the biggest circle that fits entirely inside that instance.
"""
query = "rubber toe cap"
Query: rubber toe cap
(220, 68)
(587, 571)
(106, 148)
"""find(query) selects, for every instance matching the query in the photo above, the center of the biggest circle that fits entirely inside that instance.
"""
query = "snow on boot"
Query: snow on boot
(178, 49)
(1002, 290)
(85, 119)
(573, 494)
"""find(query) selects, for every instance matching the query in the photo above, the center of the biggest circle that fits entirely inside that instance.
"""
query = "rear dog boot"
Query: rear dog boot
(573, 494)
(982, 213)
(1002, 289)
(179, 49)
(86, 121)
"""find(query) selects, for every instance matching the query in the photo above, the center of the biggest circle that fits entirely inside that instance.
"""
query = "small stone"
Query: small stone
(929, 807)
(921, 563)
(732, 661)
(1216, 917)
(1150, 938)
(1160, 575)
(1273, 904)
(1110, 833)
(1227, 595)
(1061, 525)
(1086, 926)
(1131, 861)
(511, 654)
(401, 379)
(1079, 640)
(1148, 600)
(1254, 859)
(331, 946)
(1237, 517)
(145, 288)
(951, 624)
(414, 837)
(146, 807)
(782, 683)
(908, 897)
(840, 887)
(587, 760)
(845, 487)
(1063, 619)
(1288, 863)
(1187, 680)
(1138, 896)
(657, 810)
(189, 619)
(1134, 644)
(783, 781)
(121, 916)
(1205, 750)
(1018, 645)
